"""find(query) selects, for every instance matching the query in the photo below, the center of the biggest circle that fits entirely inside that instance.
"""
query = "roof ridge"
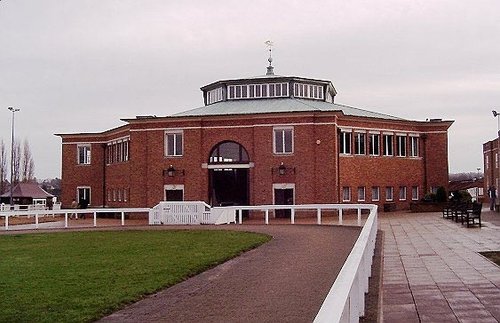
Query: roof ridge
(365, 110)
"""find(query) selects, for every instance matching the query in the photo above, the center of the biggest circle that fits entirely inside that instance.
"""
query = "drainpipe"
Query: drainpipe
(424, 141)
(104, 175)
(338, 165)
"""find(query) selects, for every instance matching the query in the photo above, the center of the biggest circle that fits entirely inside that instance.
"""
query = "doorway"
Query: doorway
(228, 174)
(283, 195)
(229, 186)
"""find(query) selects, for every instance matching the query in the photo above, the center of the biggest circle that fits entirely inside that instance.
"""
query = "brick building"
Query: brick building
(491, 169)
(262, 140)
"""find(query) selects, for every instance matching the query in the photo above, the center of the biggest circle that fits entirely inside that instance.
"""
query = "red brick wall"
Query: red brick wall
(313, 167)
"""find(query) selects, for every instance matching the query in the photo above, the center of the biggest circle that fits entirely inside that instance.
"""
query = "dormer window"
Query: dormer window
(252, 91)
(214, 95)
(308, 91)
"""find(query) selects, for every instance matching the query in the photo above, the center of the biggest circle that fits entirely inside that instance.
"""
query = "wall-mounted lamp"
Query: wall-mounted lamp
(282, 169)
(171, 171)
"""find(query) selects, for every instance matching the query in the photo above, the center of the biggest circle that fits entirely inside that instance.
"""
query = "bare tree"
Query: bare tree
(27, 163)
(3, 166)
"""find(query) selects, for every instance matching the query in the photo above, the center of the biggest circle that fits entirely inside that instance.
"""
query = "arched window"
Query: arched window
(229, 152)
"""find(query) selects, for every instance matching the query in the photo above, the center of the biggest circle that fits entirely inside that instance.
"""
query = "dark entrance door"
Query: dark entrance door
(229, 163)
(283, 197)
(229, 186)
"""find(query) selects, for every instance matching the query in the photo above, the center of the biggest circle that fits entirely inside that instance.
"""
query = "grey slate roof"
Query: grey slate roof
(275, 105)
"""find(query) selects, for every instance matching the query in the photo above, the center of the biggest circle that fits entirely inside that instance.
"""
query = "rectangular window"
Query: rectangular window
(125, 195)
(174, 144)
(346, 194)
(283, 140)
(375, 193)
(231, 91)
(119, 195)
(374, 144)
(359, 143)
(84, 154)
(414, 193)
(401, 146)
(284, 89)
(361, 193)
(345, 142)
(174, 193)
(413, 146)
(389, 193)
(402, 193)
(388, 145)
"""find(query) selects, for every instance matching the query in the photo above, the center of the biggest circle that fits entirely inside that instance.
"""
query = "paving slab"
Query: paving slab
(433, 270)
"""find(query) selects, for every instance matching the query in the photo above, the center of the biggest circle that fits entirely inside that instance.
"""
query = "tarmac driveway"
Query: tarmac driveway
(286, 279)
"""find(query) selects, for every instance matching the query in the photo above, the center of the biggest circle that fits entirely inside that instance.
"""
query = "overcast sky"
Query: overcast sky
(82, 65)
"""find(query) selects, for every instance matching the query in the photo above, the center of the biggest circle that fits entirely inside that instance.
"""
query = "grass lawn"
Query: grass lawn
(493, 256)
(82, 276)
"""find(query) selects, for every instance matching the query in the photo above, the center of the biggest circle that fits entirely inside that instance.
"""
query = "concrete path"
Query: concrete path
(285, 280)
(433, 272)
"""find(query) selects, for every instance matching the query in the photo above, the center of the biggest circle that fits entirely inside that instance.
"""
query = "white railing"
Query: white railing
(304, 207)
(346, 300)
(179, 213)
(37, 214)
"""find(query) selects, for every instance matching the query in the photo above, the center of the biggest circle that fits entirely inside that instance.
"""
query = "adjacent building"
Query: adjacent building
(491, 170)
(260, 140)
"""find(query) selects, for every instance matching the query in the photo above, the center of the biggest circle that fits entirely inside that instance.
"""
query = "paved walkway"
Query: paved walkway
(433, 272)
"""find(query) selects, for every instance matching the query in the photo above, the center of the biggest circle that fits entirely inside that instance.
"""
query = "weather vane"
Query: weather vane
(270, 44)
(270, 68)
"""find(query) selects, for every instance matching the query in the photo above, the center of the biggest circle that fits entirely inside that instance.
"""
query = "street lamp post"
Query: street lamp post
(13, 110)
(496, 115)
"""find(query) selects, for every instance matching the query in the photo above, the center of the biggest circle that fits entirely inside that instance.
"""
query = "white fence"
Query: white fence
(37, 214)
(180, 213)
(346, 300)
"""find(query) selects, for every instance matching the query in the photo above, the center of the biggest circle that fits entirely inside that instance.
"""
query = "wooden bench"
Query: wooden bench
(473, 214)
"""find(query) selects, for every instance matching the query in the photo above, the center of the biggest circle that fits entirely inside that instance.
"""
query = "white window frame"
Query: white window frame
(402, 193)
(401, 145)
(308, 91)
(361, 193)
(280, 131)
(346, 189)
(87, 155)
(255, 91)
(387, 146)
(375, 189)
(359, 149)
(414, 143)
(345, 146)
(175, 152)
(414, 193)
(374, 143)
(214, 95)
(389, 193)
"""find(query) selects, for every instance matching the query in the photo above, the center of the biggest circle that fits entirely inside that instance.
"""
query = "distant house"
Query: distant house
(26, 194)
